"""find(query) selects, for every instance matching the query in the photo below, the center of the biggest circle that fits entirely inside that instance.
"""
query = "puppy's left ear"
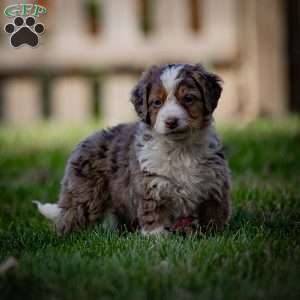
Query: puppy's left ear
(210, 84)
(140, 94)
(139, 100)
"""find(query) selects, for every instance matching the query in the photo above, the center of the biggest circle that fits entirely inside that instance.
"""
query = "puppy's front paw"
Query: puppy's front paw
(158, 231)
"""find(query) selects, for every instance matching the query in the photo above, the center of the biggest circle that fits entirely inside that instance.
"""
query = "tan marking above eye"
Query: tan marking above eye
(157, 93)
(182, 92)
(195, 108)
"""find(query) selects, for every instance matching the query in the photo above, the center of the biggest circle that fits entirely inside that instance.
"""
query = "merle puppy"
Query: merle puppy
(153, 174)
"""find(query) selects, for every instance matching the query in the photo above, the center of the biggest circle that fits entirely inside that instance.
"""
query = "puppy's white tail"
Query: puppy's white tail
(49, 210)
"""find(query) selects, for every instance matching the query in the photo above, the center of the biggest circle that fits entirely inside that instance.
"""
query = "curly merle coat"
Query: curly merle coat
(150, 174)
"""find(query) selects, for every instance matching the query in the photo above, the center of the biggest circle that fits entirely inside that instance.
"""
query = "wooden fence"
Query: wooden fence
(92, 58)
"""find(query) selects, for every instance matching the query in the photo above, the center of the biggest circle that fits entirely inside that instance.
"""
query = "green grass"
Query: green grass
(256, 257)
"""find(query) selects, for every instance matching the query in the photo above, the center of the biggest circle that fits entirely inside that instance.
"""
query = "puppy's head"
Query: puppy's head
(173, 99)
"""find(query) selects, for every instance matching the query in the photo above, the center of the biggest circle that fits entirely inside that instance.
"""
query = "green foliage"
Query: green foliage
(257, 256)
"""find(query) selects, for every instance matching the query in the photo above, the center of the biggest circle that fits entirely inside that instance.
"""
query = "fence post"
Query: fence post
(71, 95)
(219, 27)
(272, 56)
(68, 20)
(219, 20)
(115, 95)
(171, 19)
(120, 21)
(21, 101)
(120, 25)
(229, 103)
(263, 71)
(71, 99)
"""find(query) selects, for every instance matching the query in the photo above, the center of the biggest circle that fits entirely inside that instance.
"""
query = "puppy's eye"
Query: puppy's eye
(188, 99)
(157, 103)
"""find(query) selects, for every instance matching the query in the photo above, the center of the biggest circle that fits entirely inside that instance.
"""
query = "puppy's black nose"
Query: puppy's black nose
(171, 123)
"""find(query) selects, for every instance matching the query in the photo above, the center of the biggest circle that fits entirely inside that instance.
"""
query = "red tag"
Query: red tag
(182, 223)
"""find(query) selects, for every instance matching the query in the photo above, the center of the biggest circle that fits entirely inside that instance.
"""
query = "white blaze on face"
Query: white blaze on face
(169, 78)
(171, 108)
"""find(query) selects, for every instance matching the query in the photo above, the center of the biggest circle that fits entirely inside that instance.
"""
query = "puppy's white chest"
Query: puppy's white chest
(181, 173)
(177, 165)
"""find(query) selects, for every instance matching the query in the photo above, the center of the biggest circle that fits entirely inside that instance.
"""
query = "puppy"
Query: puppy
(152, 174)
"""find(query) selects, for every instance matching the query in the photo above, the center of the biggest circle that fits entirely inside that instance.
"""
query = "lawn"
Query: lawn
(257, 256)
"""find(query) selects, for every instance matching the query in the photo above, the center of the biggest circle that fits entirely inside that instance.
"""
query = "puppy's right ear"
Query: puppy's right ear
(140, 94)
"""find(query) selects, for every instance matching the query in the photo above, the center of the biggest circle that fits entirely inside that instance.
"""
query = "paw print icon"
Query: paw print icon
(24, 32)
